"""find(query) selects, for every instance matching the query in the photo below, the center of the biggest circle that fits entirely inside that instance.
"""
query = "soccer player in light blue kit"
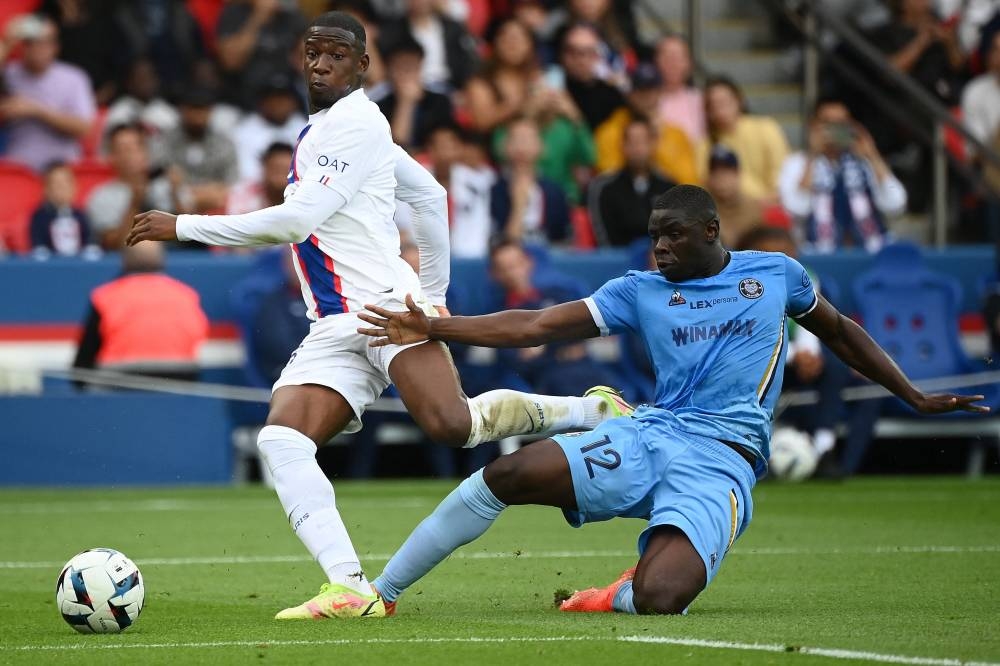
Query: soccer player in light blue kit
(713, 322)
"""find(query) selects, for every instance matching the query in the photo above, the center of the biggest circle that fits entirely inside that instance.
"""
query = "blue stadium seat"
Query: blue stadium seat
(913, 312)
(265, 276)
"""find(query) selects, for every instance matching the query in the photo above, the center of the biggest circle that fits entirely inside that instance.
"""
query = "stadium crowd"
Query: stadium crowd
(550, 123)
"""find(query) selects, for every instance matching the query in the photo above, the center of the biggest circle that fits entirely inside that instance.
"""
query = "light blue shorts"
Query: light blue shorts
(630, 468)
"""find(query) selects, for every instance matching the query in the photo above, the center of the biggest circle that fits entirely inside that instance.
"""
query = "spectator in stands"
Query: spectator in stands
(919, 44)
(142, 104)
(981, 98)
(112, 206)
(738, 213)
(278, 119)
(280, 323)
(758, 141)
(840, 189)
(268, 187)
(57, 227)
(87, 39)
(557, 369)
(809, 366)
(143, 322)
(255, 38)
(450, 56)
(163, 31)
(465, 172)
(526, 206)
(412, 110)
(568, 152)
(622, 201)
(580, 56)
(201, 162)
(616, 31)
(680, 103)
(500, 91)
(48, 105)
(673, 154)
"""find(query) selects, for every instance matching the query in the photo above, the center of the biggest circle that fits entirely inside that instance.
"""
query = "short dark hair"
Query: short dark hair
(642, 121)
(500, 243)
(344, 21)
(54, 165)
(695, 202)
(828, 100)
(124, 127)
(726, 82)
(274, 149)
(406, 44)
(755, 237)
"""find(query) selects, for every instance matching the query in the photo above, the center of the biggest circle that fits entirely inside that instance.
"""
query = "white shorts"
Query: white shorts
(335, 355)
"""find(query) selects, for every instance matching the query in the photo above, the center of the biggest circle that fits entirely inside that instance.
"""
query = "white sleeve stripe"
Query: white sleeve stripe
(595, 312)
(809, 309)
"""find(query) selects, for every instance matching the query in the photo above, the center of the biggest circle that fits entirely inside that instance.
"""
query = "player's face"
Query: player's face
(681, 246)
(334, 64)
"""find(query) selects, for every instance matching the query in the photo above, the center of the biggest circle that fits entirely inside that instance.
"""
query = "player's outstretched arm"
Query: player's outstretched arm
(511, 328)
(289, 222)
(855, 347)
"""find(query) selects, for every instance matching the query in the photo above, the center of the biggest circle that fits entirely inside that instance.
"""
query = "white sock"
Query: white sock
(824, 440)
(310, 504)
(504, 413)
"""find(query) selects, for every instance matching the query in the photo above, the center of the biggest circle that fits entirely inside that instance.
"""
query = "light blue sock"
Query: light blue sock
(622, 603)
(460, 518)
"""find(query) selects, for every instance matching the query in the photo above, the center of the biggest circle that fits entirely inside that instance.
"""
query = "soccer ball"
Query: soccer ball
(100, 591)
(793, 457)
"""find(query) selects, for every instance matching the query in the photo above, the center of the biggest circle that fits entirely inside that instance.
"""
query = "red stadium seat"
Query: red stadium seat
(583, 231)
(89, 175)
(11, 8)
(91, 143)
(22, 192)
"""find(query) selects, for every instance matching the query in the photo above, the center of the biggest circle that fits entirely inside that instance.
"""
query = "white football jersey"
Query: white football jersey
(352, 258)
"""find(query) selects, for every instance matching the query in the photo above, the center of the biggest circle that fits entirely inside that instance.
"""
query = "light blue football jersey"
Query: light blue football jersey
(717, 344)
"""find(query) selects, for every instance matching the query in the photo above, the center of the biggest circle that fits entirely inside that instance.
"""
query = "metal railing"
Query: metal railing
(811, 18)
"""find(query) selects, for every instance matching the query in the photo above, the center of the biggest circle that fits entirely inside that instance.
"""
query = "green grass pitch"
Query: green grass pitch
(866, 571)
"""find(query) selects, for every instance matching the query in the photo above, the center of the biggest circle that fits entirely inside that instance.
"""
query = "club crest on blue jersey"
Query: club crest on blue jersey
(751, 288)
(676, 298)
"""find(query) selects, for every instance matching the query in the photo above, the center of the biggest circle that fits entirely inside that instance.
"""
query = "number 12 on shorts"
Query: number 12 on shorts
(602, 458)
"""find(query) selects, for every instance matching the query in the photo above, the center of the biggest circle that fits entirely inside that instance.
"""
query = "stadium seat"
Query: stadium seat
(245, 297)
(22, 192)
(913, 313)
(91, 143)
(11, 8)
(90, 174)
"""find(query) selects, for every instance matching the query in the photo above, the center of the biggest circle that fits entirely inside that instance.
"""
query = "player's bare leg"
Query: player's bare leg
(429, 386)
(302, 417)
(669, 576)
(536, 474)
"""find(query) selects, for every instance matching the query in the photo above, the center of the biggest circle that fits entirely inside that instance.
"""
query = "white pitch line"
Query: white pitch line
(831, 653)
(549, 555)
(180, 505)
(295, 643)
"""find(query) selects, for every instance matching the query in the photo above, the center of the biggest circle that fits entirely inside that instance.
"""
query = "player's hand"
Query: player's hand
(941, 403)
(154, 225)
(396, 328)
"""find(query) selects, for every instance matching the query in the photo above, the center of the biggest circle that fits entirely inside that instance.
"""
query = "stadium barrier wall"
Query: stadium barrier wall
(63, 437)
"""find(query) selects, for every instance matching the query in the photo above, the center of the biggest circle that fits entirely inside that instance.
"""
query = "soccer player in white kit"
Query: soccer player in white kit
(338, 216)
